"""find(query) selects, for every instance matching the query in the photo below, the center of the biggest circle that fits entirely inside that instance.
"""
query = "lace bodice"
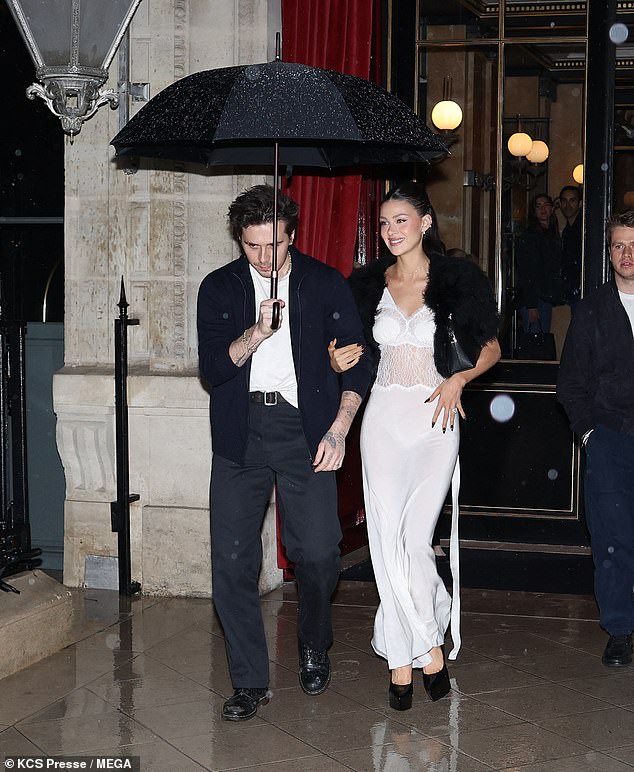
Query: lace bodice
(406, 344)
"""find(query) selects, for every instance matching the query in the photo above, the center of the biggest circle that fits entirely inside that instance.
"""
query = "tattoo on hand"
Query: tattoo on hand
(329, 438)
(333, 438)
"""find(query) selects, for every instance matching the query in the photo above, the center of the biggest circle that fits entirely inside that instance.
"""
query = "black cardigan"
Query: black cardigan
(595, 383)
(456, 287)
(321, 308)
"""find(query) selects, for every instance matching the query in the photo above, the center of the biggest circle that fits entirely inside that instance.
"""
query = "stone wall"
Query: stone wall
(162, 230)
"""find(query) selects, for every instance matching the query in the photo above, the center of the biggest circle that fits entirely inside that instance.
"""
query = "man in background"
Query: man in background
(572, 243)
(596, 388)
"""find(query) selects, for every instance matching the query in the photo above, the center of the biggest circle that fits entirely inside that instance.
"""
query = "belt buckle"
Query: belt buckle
(272, 394)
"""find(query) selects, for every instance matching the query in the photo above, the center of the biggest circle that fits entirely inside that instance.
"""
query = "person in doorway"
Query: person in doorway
(538, 263)
(279, 414)
(571, 243)
(596, 388)
(410, 434)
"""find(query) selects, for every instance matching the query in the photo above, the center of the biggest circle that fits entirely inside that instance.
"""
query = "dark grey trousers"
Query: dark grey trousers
(276, 452)
(609, 497)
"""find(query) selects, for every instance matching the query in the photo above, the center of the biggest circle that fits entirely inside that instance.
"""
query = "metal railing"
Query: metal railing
(16, 552)
(120, 509)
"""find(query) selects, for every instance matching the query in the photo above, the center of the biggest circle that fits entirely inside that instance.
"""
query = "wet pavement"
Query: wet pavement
(148, 677)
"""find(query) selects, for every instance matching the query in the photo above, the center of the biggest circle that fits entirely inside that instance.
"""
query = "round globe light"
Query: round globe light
(519, 144)
(577, 174)
(446, 115)
(538, 153)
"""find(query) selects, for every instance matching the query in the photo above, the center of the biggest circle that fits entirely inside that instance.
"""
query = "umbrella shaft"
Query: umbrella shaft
(275, 321)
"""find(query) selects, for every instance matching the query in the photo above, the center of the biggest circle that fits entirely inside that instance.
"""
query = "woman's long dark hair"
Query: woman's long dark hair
(415, 195)
(552, 231)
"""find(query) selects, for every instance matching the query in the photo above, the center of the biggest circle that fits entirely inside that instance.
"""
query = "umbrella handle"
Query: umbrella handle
(275, 318)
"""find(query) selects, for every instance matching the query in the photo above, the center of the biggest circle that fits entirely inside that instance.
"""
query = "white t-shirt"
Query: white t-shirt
(272, 366)
(628, 303)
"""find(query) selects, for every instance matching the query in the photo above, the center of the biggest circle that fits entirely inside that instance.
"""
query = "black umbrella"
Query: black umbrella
(277, 113)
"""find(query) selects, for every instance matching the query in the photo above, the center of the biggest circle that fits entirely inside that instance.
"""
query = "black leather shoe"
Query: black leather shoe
(314, 670)
(437, 685)
(618, 652)
(401, 696)
(244, 704)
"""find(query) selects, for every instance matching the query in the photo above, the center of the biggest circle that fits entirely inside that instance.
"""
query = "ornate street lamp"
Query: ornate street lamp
(72, 43)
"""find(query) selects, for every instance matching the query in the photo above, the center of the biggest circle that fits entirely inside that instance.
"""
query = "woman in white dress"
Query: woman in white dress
(410, 431)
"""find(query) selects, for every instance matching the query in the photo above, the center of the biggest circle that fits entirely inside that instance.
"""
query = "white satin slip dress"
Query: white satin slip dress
(408, 468)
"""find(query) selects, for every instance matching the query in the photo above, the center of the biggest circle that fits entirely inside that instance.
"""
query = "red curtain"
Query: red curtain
(335, 35)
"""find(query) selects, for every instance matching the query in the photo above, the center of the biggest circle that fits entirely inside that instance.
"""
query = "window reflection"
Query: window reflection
(544, 98)
(543, 18)
(457, 19)
(463, 185)
(488, 200)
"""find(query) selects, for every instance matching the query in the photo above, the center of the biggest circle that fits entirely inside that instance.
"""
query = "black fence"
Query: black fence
(16, 552)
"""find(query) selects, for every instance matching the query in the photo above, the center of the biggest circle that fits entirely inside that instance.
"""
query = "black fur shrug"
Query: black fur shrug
(456, 287)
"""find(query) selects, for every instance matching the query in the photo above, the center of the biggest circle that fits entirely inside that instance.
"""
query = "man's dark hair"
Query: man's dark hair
(255, 207)
(574, 189)
(622, 220)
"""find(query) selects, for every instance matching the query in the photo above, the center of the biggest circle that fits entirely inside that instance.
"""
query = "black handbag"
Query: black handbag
(463, 354)
(536, 345)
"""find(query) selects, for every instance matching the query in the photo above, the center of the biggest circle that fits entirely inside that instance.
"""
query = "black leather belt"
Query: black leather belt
(265, 397)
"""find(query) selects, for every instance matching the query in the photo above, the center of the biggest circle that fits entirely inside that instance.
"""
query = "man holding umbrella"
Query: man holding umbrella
(278, 415)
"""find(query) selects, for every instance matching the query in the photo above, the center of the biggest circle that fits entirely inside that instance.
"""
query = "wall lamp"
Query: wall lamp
(522, 145)
(538, 153)
(447, 114)
(72, 43)
(528, 155)
(519, 144)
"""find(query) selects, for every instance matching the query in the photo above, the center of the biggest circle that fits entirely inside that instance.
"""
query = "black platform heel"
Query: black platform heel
(401, 696)
(437, 685)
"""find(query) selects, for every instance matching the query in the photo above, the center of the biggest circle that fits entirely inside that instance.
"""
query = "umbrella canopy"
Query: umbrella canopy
(320, 118)
(277, 113)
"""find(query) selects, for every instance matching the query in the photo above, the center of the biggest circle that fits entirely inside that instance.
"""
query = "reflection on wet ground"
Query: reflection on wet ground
(148, 677)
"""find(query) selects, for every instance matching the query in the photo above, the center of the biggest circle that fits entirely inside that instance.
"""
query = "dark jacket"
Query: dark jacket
(321, 308)
(572, 248)
(538, 261)
(596, 374)
(456, 287)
